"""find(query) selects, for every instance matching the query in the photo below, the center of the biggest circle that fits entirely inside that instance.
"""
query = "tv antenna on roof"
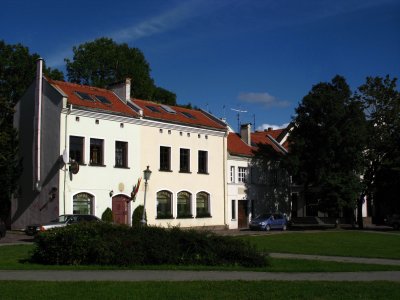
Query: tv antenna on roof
(239, 111)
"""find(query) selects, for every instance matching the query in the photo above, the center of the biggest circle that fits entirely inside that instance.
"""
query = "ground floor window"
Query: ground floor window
(164, 205)
(184, 206)
(202, 205)
(233, 210)
(83, 204)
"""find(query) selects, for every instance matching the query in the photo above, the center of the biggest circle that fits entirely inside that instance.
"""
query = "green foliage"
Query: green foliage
(103, 62)
(382, 177)
(327, 144)
(107, 215)
(137, 216)
(107, 244)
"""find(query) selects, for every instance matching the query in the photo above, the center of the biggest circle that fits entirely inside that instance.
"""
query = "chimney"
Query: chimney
(245, 133)
(123, 90)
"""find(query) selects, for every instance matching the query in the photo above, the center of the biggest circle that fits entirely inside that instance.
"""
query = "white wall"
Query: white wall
(156, 134)
(99, 180)
(236, 190)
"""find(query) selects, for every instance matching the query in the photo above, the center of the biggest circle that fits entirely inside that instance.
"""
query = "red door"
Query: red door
(242, 213)
(120, 209)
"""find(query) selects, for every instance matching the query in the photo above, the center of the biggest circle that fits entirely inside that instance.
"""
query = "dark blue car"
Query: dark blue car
(269, 221)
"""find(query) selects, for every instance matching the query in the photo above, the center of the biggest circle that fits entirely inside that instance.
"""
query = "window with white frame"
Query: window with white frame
(164, 205)
(202, 205)
(232, 174)
(242, 171)
(184, 205)
(233, 210)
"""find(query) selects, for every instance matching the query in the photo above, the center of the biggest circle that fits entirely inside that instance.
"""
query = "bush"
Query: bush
(107, 244)
(137, 216)
(107, 215)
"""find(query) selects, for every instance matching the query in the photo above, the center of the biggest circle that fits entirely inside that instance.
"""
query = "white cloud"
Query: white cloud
(263, 127)
(163, 22)
(263, 99)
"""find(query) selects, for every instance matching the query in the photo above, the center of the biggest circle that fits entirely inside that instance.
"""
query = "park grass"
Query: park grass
(331, 243)
(15, 257)
(199, 290)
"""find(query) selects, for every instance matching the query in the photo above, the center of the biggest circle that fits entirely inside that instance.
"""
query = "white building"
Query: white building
(107, 139)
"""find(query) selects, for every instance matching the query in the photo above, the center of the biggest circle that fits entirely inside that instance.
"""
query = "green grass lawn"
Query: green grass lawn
(334, 243)
(342, 243)
(199, 290)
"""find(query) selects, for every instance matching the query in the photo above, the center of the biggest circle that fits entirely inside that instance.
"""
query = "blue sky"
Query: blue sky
(256, 56)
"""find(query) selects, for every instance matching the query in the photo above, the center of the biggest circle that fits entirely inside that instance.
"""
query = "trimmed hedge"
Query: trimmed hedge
(107, 215)
(107, 244)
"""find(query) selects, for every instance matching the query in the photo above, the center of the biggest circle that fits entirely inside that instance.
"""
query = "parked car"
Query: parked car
(394, 221)
(61, 221)
(269, 221)
(2, 229)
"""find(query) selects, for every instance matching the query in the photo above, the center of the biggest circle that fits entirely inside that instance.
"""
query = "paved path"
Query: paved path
(357, 260)
(393, 276)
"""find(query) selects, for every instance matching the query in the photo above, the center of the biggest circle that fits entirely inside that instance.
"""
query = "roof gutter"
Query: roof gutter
(275, 142)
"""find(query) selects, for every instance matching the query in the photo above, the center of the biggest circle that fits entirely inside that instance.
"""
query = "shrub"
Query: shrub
(108, 244)
(107, 215)
(137, 216)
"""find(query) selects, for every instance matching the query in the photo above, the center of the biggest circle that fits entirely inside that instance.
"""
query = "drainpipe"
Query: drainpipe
(65, 150)
(224, 150)
(39, 91)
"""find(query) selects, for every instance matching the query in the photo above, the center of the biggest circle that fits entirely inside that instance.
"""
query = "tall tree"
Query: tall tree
(17, 72)
(103, 62)
(326, 146)
(382, 177)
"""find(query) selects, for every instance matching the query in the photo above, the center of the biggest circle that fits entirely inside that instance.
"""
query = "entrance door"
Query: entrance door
(242, 214)
(120, 209)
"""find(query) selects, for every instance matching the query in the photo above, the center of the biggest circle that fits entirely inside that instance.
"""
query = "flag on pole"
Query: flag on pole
(135, 190)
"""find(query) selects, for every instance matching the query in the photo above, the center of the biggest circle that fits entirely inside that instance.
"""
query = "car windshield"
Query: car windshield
(61, 219)
(263, 216)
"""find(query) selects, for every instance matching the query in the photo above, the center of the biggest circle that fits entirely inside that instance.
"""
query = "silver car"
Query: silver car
(269, 221)
(61, 221)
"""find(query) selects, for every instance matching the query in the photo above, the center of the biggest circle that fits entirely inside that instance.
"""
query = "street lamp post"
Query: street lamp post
(146, 176)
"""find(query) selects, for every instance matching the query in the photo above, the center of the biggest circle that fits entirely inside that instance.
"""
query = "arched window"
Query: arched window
(83, 204)
(164, 205)
(184, 205)
(202, 205)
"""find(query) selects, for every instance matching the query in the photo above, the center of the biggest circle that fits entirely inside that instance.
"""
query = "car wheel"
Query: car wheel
(267, 228)
(284, 227)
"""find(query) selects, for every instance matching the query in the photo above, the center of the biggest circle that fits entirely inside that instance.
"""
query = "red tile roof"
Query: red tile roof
(236, 146)
(199, 119)
(116, 105)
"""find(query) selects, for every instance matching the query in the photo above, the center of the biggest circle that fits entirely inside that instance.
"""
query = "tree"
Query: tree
(103, 62)
(17, 72)
(382, 177)
(272, 180)
(326, 147)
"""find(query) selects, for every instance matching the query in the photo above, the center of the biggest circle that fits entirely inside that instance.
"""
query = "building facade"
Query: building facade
(84, 150)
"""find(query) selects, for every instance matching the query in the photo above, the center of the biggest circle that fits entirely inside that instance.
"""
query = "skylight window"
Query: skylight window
(103, 99)
(168, 109)
(84, 96)
(153, 108)
(188, 115)
(134, 107)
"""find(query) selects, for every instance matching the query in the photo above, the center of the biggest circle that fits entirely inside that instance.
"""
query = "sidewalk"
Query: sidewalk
(393, 276)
